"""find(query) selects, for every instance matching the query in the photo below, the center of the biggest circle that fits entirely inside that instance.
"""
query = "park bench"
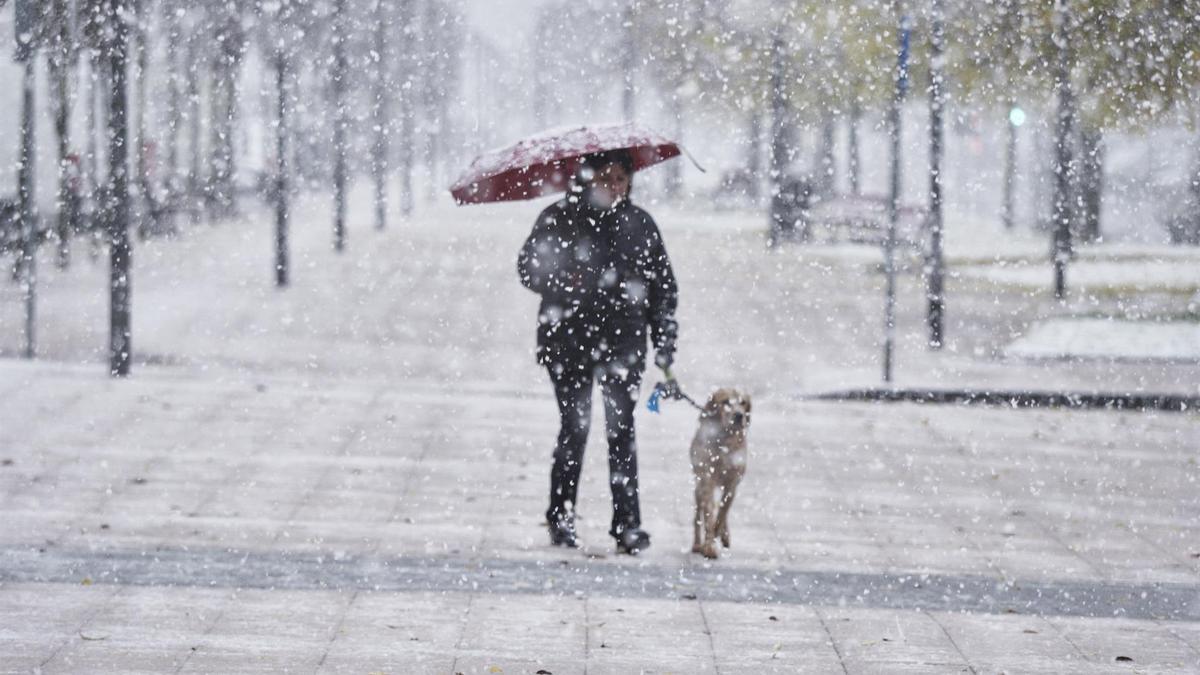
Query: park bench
(10, 225)
(863, 219)
(736, 190)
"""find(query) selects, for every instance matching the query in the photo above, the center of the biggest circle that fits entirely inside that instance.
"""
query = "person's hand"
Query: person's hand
(664, 360)
(670, 388)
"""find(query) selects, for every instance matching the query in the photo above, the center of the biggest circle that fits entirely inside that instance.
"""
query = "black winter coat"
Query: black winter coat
(605, 281)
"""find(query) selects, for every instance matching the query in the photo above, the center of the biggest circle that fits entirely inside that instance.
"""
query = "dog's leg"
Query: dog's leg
(708, 545)
(699, 526)
(722, 525)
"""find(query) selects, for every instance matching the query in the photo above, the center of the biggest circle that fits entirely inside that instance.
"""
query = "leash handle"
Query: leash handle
(652, 401)
(669, 389)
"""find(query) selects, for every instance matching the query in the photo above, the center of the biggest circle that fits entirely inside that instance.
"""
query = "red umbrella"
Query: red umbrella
(542, 164)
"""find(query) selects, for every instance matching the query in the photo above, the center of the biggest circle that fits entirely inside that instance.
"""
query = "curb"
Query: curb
(1019, 399)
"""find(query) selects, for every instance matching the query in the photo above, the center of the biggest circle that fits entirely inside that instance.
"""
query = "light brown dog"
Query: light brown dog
(718, 463)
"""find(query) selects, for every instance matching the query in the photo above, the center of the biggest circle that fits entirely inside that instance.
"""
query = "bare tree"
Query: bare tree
(380, 118)
(231, 41)
(61, 62)
(120, 350)
(338, 77)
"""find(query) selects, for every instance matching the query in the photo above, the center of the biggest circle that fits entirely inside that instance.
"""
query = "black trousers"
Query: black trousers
(619, 380)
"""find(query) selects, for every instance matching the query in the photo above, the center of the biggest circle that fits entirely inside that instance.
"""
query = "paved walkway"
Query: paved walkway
(348, 476)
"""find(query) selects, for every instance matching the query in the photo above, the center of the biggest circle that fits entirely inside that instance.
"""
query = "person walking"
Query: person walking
(607, 287)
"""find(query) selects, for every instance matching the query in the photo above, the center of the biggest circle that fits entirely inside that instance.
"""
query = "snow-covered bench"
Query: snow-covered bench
(863, 219)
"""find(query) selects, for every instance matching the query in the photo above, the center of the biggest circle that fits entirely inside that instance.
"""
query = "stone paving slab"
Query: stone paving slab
(582, 576)
(130, 629)
(349, 476)
(862, 490)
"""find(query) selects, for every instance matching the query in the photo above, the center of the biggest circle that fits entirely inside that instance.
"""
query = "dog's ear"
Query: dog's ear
(713, 407)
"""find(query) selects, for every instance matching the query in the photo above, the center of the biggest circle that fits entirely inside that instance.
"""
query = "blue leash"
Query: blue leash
(669, 390)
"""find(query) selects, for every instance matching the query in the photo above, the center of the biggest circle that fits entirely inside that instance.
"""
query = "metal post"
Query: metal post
(935, 264)
(889, 246)
(1064, 124)
(780, 145)
(754, 156)
(281, 176)
(26, 196)
(854, 167)
(1010, 168)
(340, 73)
(120, 349)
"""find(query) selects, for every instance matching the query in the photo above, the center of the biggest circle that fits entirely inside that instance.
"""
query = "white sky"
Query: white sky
(507, 23)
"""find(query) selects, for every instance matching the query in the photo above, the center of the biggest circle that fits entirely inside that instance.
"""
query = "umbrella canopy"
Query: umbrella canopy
(544, 163)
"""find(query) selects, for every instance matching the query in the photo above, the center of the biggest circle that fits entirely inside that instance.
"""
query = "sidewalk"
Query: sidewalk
(348, 476)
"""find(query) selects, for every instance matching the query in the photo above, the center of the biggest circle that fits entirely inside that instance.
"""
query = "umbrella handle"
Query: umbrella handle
(693, 159)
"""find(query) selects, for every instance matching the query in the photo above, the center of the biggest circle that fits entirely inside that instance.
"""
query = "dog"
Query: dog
(718, 463)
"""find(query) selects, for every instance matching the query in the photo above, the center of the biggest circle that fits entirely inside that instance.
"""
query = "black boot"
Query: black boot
(633, 541)
(562, 532)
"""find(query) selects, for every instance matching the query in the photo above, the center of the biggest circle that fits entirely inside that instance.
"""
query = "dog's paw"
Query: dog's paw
(724, 540)
(697, 548)
(709, 551)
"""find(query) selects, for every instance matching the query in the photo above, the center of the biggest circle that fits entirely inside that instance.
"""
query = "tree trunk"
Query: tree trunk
(826, 163)
(935, 264)
(895, 130)
(675, 169)
(754, 163)
(432, 91)
(541, 88)
(140, 202)
(1043, 170)
(60, 95)
(780, 145)
(854, 165)
(195, 148)
(1192, 220)
(27, 200)
(120, 350)
(628, 62)
(282, 187)
(221, 194)
(407, 13)
(174, 104)
(380, 117)
(1007, 215)
(1064, 161)
(1091, 183)
(340, 74)
(175, 117)
(96, 112)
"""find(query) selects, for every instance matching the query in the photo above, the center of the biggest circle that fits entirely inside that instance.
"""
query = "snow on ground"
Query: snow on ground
(1107, 338)
(283, 464)
(1169, 275)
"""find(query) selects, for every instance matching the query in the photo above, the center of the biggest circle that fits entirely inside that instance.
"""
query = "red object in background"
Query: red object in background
(544, 163)
(74, 173)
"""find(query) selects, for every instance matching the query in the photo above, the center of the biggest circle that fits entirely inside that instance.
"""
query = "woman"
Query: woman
(606, 284)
